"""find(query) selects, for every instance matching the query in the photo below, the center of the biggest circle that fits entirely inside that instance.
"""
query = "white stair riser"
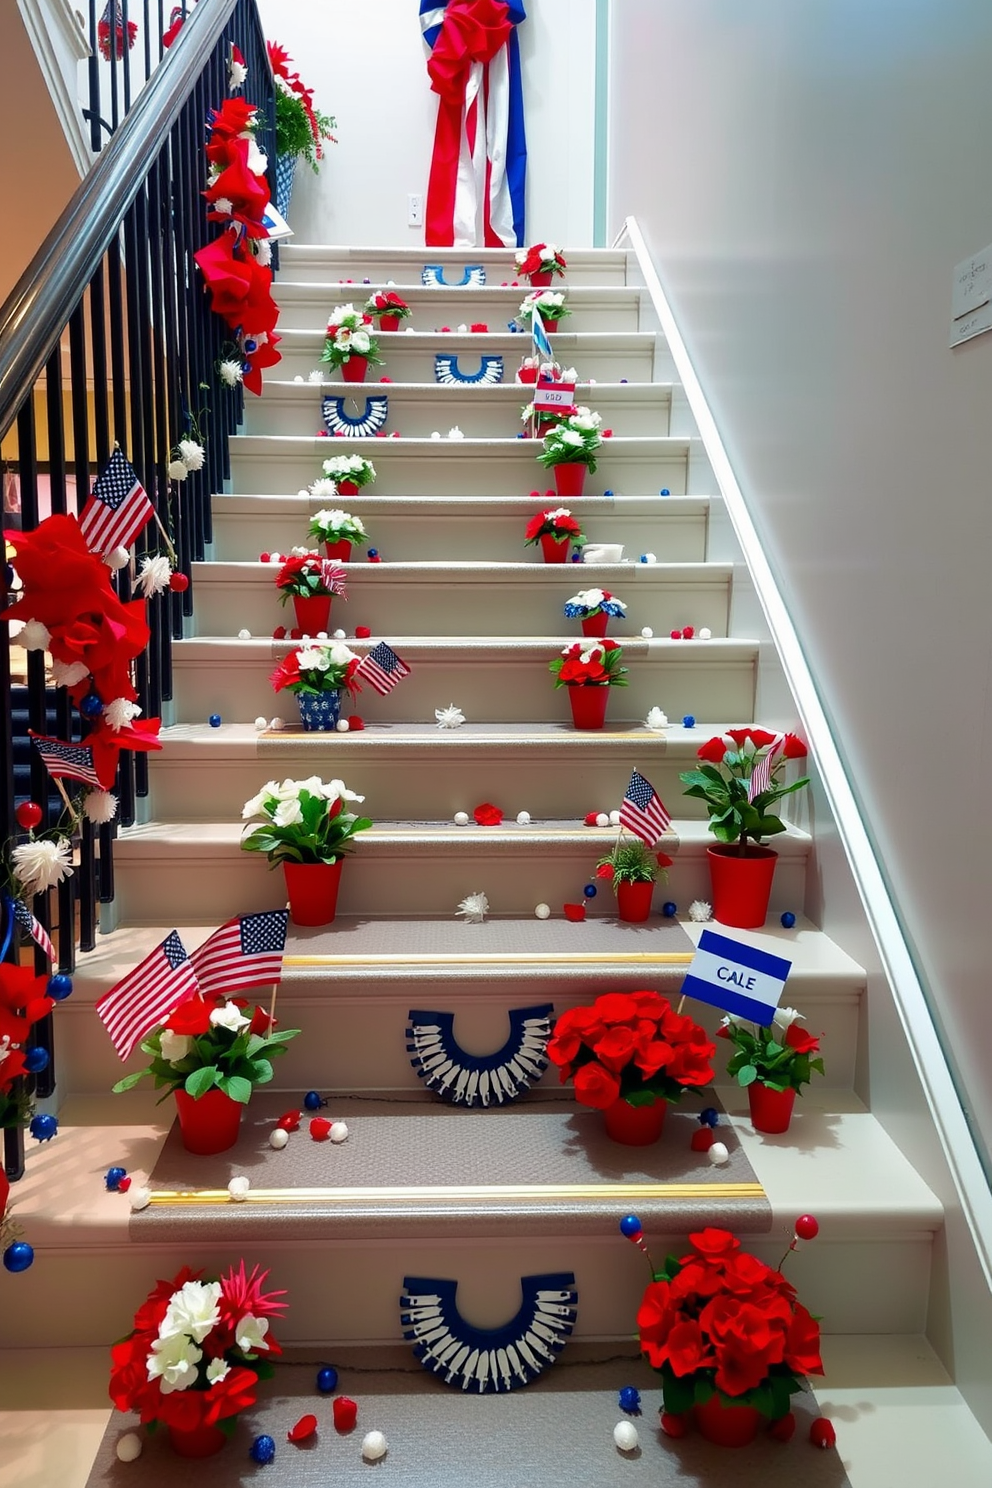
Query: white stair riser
(410, 358)
(413, 878)
(439, 602)
(482, 532)
(505, 690)
(313, 264)
(306, 307)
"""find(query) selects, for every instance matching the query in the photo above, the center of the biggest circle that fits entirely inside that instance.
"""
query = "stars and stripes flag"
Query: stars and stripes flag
(32, 926)
(118, 508)
(542, 346)
(382, 668)
(761, 774)
(144, 998)
(643, 812)
(475, 194)
(66, 761)
(246, 952)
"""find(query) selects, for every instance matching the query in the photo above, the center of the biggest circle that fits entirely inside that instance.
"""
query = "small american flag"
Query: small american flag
(382, 668)
(643, 812)
(144, 998)
(761, 774)
(66, 761)
(32, 926)
(118, 508)
(246, 952)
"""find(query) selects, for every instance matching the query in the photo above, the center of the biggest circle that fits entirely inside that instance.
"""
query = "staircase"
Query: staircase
(477, 618)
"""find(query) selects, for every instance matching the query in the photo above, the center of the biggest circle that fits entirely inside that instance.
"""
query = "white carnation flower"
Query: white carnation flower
(68, 673)
(175, 1046)
(100, 806)
(176, 470)
(230, 372)
(323, 488)
(657, 719)
(258, 161)
(39, 865)
(700, 911)
(192, 454)
(230, 1017)
(263, 253)
(450, 717)
(33, 636)
(475, 908)
(153, 576)
(360, 342)
(313, 659)
(237, 76)
(119, 713)
(570, 437)
(589, 598)
(315, 376)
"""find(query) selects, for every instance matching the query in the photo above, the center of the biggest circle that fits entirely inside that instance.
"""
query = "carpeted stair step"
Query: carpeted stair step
(317, 263)
(594, 307)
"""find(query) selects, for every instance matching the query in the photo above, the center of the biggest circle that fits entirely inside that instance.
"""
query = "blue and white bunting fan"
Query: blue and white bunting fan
(447, 370)
(365, 425)
(485, 1361)
(433, 276)
(479, 1079)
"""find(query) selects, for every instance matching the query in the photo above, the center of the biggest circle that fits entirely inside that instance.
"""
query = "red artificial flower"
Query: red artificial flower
(141, 735)
(615, 1049)
(479, 326)
(596, 1087)
(173, 31)
(802, 1342)
(687, 1348)
(758, 737)
(797, 1038)
(713, 750)
(794, 748)
(488, 815)
(605, 870)
(261, 1023)
(714, 1244)
(191, 1017)
(238, 184)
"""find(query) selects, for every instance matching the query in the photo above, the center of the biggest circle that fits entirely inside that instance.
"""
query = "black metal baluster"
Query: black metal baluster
(93, 75)
(114, 106)
(125, 51)
(80, 406)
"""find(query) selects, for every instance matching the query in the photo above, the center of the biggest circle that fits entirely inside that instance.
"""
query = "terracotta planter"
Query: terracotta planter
(348, 488)
(389, 322)
(203, 1441)
(313, 613)
(634, 1126)
(570, 478)
(555, 549)
(588, 705)
(742, 886)
(595, 625)
(313, 891)
(727, 1425)
(771, 1110)
(355, 368)
(528, 375)
(210, 1124)
(319, 711)
(634, 902)
(341, 550)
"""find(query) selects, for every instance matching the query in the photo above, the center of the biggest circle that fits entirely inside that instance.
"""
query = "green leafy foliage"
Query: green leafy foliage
(317, 838)
(765, 1054)
(232, 1062)
(632, 863)
(733, 818)
(293, 133)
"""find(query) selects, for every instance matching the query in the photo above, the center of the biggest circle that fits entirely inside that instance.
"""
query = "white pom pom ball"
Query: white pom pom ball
(718, 1155)
(298, 377)
(374, 1446)
(322, 635)
(602, 820)
(338, 1131)
(342, 725)
(647, 633)
(339, 635)
(614, 818)
(275, 724)
(238, 1189)
(261, 723)
(244, 635)
(523, 818)
(461, 818)
(705, 634)
(129, 1447)
(115, 559)
(139, 1198)
(435, 434)
(275, 557)
(542, 911)
(278, 1138)
(625, 1435)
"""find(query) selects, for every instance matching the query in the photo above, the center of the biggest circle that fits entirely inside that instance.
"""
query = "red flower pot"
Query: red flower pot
(313, 891)
(341, 550)
(4, 1192)
(588, 705)
(313, 613)
(727, 1425)
(742, 886)
(528, 374)
(541, 279)
(634, 1126)
(202, 1441)
(634, 902)
(570, 478)
(389, 322)
(555, 549)
(348, 488)
(595, 625)
(550, 326)
(771, 1110)
(210, 1124)
(355, 368)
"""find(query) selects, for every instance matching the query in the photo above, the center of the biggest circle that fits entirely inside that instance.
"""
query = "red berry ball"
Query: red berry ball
(178, 583)
(355, 723)
(688, 631)
(784, 1428)
(822, 1433)
(574, 912)
(290, 1121)
(279, 634)
(29, 815)
(345, 1413)
(263, 557)
(320, 1128)
(672, 1425)
(676, 635)
(703, 1139)
(807, 1228)
(362, 632)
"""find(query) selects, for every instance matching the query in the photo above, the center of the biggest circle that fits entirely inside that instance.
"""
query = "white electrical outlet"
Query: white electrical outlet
(415, 210)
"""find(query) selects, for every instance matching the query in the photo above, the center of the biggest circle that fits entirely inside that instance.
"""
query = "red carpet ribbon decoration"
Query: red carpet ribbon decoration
(476, 189)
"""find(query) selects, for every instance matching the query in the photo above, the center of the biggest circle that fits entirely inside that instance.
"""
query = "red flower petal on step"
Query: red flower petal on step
(488, 815)
(822, 1433)
(362, 632)
(279, 634)
(290, 1121)
(607, 433)
(123, 1184)
(304, 1428)
(345, 1413)
(479, 325)
(605, 870)
(356, 724)
(703, 1139)
(664, 861)
(319, 1128)
(574, 912)
(676, 635)
(590, 820)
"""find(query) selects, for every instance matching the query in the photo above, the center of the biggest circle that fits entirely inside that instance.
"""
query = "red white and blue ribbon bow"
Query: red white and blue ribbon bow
(475, 194)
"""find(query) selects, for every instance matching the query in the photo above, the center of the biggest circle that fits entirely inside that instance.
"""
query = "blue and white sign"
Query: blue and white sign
(738, 978)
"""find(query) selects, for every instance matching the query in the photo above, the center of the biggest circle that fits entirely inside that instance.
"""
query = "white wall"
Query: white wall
(367, 65)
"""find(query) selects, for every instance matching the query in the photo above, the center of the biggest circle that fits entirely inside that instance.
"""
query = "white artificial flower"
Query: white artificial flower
(192, 454)
(323, 488)
(336, 790)
(217, 1370)
(176, 470)
(313, 659)
(263, 253)
(258, 803)
(339, 315)
(223, 206)
(339, 653)
(657, 720)
(230, 1017)
(475, 908)
(193, 1310)
(120, 712)
(360, 342)
(700, 911)
(237, 76)
(450, 717)
(230, 372)
(153, 576)
(258, 161)
(590, 599)
(455, 433)
(569, 375)
(570, 437)
(559, 511)
(732, 1020)
(175, 1046)
(315, 376)
(100, 806)
(288, 814)
(33, 636)
(68, 673)
(784, 1017)
(173, 1362)
(550, 252)
(39, 865)
(249, 1334)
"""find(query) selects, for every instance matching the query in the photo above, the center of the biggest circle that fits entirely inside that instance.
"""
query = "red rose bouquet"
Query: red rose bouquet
(740, 778)
(589, 663)
(197, 1350)
(310, 576)
(558, 523)
(540, 258)
(720, 1322)
(388, 306)
(630, 1046)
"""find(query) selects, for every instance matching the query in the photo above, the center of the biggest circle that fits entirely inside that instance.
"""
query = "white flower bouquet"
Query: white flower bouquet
(349, 334)
(350, 472)
(549, 302)
(306, 821)
(574, 441)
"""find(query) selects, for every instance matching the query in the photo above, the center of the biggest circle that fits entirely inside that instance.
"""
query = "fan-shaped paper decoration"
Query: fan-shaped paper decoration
(433, 276)
(484, 1361)
(447, 370)
(367, 423)
(479, 1079)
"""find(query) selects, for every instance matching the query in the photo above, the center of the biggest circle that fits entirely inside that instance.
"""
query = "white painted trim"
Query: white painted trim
(54, 31)
(908, 992)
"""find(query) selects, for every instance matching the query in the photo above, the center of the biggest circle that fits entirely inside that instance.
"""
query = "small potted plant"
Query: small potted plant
(772, 1064)
(211, 1054)
(308, 829)
(740, 779)
(351, 473)
(729, 1338)
(338, 531)
(318, 672)
(632, 870)
(594, 608)
(540, 263)
(549, 304)
(629, 1055)
(195, 1355)
(589, 669)
(570, 450)
(556, 530)
(310, 581)
(389, 308)
(350, 344)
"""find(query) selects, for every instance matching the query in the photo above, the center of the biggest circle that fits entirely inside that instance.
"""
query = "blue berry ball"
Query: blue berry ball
(373, 552)
(36, 1060)
(664, 491)
(246, 367)
(630, 1226)
(91, 706)
(709, 1116)
(630, 1400)
(688, 721)
(251, 345)
(576, 557)
(262, 1449)
(43, 1128)
(327, 1380)
(624, 379)
(112, 1179)
(19, 1256)
(607, 493)
(313, 1100)
(590, 891)
(214, 720)
(669, 909)
(643, 558)
(788, 919)
(60, 986)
